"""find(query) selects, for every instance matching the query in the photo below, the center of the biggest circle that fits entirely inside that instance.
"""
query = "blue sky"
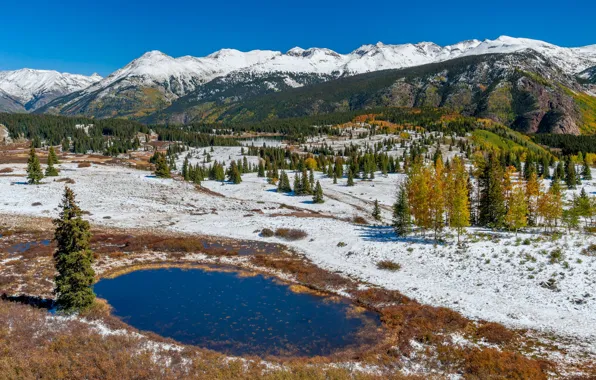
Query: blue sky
(101, 36)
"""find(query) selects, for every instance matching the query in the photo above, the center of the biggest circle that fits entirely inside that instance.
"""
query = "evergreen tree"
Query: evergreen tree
(185, 172)
(376, 210)
(401, 212)
(283, 185)
(162, 170)
(570, 174)
(261, 171)
(318, 194)
(234, 175)
(584, 206)
(73, 258)
(350, 178)
(52, 156)
(297, 184)
(586, 171)
(34, 173)
(52, 159)
(492, 201)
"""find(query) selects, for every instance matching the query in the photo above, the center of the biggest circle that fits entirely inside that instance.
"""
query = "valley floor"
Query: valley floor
(496, 276)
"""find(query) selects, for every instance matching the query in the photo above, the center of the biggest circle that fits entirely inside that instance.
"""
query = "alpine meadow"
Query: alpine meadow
(397, 211)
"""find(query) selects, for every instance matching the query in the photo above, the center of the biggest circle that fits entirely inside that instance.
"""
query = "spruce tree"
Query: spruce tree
(34, 173)
(570, 174)
(492, 202)
(350, 178)
(162, 170)
(376, 210)
(297, 184)
(52, 159)
(73, 258)
(586, 171)
(185, 171)
(401, 213)
(318, 194)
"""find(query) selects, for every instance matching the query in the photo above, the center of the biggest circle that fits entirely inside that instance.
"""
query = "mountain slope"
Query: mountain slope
(31, 89)
(525, 90)
(155, 81)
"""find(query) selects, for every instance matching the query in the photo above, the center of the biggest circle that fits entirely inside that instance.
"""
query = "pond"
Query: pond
(236, 314)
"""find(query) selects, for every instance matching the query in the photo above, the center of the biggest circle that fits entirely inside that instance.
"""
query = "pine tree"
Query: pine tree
(162, 170)
(34, 173)
(584, 206)
(52, 156)
(73, 258)
(306, 185)
(401, 212)
(492, 201)
(350, 178)
(261, 171)
(586, 171)
(297, 184)
(185, 172)
(570, 174)
(234, 175)
(284, 183)
(518, 208)
(318, 194)
(376, 210)
(52, 159)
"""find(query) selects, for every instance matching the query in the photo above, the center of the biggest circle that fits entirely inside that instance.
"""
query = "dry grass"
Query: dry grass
(495, 333)
(6, 170)
(290, 234)
(84, 164)
(389, 265)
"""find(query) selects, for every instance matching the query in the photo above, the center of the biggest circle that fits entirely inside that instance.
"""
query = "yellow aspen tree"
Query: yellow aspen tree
(533, 193)
(418, 195)
(518, 209)
(459, 215)
(436, 198)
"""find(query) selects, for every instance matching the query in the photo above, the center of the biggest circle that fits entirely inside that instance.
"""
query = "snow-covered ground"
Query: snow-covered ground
(496, 277)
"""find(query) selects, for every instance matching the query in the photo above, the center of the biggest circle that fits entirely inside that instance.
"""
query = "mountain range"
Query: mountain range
(531, 85)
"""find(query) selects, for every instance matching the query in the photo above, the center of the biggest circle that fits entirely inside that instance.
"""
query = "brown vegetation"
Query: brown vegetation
(290, 234)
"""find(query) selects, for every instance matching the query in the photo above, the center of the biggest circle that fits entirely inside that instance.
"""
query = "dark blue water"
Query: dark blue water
(232, 314)
(22, 247)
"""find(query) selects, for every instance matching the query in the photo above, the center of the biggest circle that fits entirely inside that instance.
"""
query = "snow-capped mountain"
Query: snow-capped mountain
(155, 80)
(34, 88)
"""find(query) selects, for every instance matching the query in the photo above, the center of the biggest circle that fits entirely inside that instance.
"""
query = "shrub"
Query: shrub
(388, 265)
(6, 170)
(556, 256)
(290, 233)
(266, 232)
(359, 220)
(36, 204)
(527, 242)
(341, 244)
(490, 363)
(84, 164)
(590, 250)
(494, 333)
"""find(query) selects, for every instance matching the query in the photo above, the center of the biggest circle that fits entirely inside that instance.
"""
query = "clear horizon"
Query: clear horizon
(82, 38)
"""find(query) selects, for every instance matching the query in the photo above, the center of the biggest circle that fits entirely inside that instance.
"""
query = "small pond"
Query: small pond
(235, 314)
